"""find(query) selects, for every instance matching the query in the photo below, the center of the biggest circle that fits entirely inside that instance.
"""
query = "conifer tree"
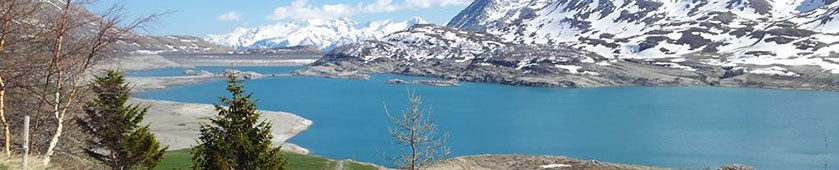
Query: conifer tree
(117, 138)
(236, 138)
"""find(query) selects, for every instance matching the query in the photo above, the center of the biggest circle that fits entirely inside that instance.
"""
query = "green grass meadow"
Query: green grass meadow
(181, 159)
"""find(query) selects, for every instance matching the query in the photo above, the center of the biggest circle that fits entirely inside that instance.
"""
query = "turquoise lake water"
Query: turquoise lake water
(684, 127)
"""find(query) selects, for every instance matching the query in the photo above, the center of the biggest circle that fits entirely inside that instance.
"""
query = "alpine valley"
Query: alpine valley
(788, 44)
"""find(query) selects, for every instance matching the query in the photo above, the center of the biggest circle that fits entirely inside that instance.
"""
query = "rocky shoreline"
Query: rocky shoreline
(618, 73)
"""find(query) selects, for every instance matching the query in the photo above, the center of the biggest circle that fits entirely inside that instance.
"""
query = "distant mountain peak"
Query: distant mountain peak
(417, 20)
(322, 33)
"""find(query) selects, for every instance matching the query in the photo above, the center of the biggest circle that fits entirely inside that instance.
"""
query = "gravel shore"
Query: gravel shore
(177, 124)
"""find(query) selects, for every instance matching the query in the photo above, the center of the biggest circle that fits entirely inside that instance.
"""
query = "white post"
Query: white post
(25, 142)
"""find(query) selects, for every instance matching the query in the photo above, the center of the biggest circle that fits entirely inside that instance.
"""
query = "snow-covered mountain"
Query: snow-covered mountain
(324, 34)
(738, 31)
(585, 43)
(438, 51)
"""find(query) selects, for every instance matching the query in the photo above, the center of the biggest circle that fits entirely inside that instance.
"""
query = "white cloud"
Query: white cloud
(230, 16)
(434, 3)
(302, 10)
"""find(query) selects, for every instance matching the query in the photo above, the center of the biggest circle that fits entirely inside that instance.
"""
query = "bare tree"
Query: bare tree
(47, 49)
(6, 21)
(7, 139)
(9, 11)
(415, 130)
(92, 38)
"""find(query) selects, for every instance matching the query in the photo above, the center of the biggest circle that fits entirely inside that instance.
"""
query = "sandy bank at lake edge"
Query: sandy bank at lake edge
(140, 62)
(148, 62)
(143, 84)
(177, 124)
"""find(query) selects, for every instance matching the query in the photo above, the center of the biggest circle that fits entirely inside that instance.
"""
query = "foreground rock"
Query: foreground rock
(177, 124)
(522, 162)
(488, 162)
(447, 53)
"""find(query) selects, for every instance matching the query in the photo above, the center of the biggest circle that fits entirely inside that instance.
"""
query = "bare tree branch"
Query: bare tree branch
(415, 130)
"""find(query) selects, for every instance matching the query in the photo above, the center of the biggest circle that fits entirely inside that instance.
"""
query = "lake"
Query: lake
(683, 127)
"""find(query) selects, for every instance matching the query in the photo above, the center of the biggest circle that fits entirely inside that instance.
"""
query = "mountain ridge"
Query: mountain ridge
(322, 33)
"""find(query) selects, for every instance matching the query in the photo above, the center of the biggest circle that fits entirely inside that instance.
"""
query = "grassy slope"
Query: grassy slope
(182, 159)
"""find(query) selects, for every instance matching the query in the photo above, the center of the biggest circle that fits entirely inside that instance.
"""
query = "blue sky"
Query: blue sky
(202, 17)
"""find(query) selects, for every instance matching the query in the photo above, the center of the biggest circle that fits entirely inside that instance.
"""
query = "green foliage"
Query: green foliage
(298, 161)
(357, 166)
(117, 138)
(177, 159)
(236, 138)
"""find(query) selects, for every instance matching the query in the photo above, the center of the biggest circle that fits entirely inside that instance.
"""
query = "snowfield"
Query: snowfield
(321, 33)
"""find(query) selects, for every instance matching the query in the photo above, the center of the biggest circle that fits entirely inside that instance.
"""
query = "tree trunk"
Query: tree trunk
(7, 20)
(59, 117)
(413, 143)
(7, 138)
(413, 156)
(54, 142)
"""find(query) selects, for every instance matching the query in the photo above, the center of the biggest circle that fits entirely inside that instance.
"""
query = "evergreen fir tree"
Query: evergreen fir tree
(117, 138)
(236, 138)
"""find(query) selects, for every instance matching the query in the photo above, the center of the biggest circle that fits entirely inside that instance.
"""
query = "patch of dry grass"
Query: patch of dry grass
(16, 162)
